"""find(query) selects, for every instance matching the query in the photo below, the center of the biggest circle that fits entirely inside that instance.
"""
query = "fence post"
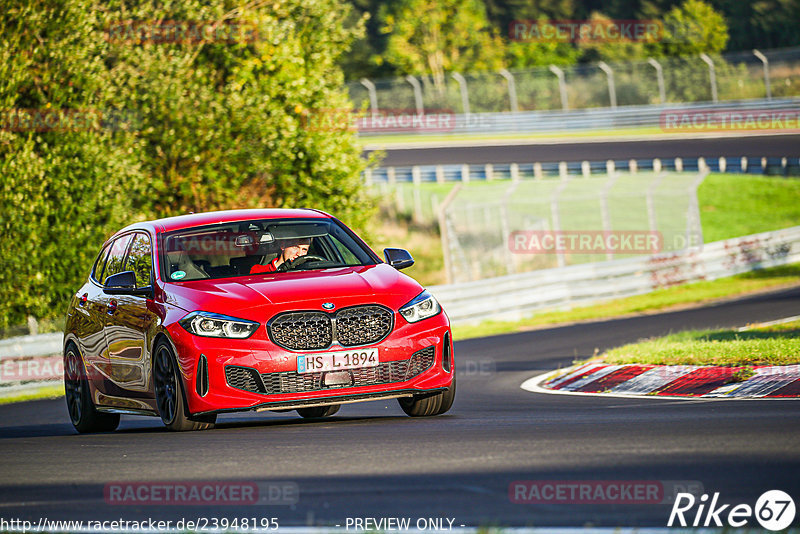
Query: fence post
(712, 75)
(557, 219)
(612, 89)
(512, 90)
(373, 95)
(448, 260)
(417, 94)
(562, 86)
(604, 212)
(765, 61)
(462, 85)
(651, 209)
(439, 174)
(505, 229)
(465, 173)
(662, 93)
(416, 178)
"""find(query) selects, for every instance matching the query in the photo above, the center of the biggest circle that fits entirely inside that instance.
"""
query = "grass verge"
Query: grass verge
(378, 140)
(660, 300)
(46, 392)
(769, 345)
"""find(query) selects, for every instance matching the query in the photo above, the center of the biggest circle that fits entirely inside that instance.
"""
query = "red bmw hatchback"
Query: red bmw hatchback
(192, 316)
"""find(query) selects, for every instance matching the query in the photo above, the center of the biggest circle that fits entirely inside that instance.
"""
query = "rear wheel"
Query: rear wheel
(428, 405)
(82, 413)
(170, 397)
(318, 411)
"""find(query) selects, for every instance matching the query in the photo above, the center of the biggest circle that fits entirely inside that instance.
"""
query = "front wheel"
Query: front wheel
(170, 398)
(84, 416)
(425, 406)
(318, 411)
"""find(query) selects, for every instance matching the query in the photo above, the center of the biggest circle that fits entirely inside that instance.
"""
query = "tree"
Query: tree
(223, 121)
(66, 176)
(693, 28)
(430, 38)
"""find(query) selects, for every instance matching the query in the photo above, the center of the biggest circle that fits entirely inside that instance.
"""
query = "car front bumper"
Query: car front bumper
(224, 375)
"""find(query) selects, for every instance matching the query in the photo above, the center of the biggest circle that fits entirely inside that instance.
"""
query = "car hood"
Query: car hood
(345, 286)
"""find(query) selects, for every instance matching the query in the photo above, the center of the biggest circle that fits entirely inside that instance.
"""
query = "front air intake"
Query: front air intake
(202, 376)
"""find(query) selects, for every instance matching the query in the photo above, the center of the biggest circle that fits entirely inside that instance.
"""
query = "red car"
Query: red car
(192, 316)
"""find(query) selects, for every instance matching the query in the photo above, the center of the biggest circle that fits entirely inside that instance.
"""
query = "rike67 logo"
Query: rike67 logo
(774, 510)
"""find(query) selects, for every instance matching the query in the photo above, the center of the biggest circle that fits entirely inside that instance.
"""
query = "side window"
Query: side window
(140, 260)
(347, 254)
(116, 257)
(97, 272)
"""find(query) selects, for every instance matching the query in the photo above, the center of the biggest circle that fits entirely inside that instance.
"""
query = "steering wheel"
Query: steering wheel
(298, 261)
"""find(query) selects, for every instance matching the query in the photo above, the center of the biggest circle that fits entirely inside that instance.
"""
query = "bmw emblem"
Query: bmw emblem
(328, 305)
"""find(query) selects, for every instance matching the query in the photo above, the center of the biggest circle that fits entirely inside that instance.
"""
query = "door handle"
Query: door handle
(112, 307)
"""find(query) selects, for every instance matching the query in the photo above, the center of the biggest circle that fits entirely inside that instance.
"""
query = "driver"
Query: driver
(290, 249)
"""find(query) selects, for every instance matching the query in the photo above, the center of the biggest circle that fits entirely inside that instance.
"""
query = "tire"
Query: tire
(429, 405)
(82, 412)
(170, 396)
(318, 411)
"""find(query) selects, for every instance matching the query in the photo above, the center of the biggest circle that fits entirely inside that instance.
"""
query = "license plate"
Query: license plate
(337, 361)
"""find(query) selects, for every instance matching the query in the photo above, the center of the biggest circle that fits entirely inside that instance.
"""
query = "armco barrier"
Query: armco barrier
(31, 362)
(652, 116)
(514, 296)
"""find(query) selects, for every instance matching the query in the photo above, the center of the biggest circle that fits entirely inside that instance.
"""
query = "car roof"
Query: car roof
(218, 217)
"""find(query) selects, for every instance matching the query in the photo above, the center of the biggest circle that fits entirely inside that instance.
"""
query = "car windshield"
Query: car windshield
(262, 246)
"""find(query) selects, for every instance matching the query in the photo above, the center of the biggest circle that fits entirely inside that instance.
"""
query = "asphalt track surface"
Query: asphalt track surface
(370, 460)
(751, 146)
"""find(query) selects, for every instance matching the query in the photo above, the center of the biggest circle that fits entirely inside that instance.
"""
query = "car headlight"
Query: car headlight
(209, 324)
(421, 307)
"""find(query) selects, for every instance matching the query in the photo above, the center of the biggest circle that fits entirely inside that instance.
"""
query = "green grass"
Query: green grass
(46, 392)
(662, 299)
(734, 205)
(443, 138)
(771, 345)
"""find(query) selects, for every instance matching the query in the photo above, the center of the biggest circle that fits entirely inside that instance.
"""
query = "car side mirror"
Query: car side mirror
(124, 283)
(398, 258)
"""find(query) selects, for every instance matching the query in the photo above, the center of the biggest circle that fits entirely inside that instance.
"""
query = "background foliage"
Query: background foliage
(186, 126)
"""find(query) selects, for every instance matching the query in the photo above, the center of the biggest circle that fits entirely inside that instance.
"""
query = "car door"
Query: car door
(89, 322)
(97, 306)
(128, 323)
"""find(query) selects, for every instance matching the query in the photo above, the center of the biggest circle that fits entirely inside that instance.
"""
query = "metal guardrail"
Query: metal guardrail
(29, 363)
(515, 296)
(581, 119)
